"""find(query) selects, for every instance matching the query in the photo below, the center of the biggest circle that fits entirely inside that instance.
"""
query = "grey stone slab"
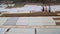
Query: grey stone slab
(33, 21)
(11, 21)
(48, 31)
(3, 20)
(21, 31)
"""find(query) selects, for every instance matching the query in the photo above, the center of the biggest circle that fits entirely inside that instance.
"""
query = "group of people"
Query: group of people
(46, 8)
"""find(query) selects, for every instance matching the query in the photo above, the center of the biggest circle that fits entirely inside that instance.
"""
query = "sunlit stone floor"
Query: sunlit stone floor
(31, 21)
(33, 25)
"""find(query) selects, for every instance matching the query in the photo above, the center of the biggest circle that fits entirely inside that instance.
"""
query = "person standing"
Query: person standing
(46, 8)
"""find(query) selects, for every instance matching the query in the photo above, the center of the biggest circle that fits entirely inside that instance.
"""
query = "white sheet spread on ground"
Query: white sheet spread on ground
(28, 8)
(55, 8)
(35, 8)
(25, 9)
